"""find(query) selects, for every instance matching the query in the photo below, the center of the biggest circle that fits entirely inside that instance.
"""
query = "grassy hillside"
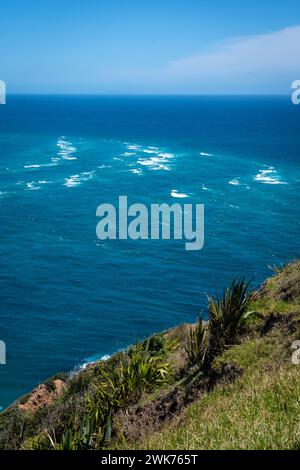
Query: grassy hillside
(228, 383)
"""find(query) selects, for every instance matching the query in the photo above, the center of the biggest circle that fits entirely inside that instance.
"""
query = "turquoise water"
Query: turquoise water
(67, 297)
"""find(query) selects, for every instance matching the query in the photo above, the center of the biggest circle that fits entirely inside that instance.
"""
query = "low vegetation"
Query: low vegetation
(227, 383)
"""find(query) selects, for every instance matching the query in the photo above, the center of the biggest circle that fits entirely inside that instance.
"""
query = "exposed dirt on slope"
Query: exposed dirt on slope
(137, 421)
(41, 396)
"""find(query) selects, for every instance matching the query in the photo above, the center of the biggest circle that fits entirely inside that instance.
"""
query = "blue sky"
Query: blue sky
(157, 46)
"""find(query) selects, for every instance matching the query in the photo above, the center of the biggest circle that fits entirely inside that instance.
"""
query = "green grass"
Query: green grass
(261, 410)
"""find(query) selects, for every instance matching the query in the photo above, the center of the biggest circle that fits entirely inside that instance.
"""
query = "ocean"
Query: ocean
(67, 297)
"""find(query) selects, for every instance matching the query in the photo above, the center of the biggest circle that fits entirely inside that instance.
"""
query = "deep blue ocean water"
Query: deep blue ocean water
(67, 297)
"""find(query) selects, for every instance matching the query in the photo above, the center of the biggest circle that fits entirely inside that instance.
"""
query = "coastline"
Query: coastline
(150, 412)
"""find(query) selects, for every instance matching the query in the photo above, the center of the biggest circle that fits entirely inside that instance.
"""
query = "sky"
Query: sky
(149, 46)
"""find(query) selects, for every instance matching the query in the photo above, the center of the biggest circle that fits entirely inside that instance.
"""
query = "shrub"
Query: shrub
(228, 314)
(142, 371)
(197, 343)
(116, 385)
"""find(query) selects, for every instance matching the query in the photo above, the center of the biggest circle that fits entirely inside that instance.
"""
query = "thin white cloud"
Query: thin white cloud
(266, 63)
(268, 57)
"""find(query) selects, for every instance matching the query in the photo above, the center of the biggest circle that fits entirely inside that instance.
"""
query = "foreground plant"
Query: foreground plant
(197, 343)
(142, 371)
(139, 370)
(229, 313)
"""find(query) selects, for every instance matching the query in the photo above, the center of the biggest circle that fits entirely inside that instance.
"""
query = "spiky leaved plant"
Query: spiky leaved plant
(228, 314)
(142, 371)
(197, 343)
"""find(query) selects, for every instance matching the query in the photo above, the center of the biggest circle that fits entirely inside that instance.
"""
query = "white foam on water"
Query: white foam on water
(165, 155)
(204, 154)
(175, 193)
(133, 147)
(136, 171)
(92, 360)
(150, 150)
(268, 176)
(235, 182)
(76, 180)
(157, 162)
(67, 157)
(32, 166)
(39, 165)
(66, 149)
(156, 159)
(32, 186)
(66, 152)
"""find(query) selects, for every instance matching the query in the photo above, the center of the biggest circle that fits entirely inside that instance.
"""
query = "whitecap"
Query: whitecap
(76, 180)
(151, 162)
(235, 182)
(165, 155)
(204, 154)
(72, 181)
(128, 154)
(133, 147)
(32, 166)
(67, 149)
(175, 193)
(268, 176)
(150, 150)
(157, 162)
(32, 186)
(38, 165)
(67, 157)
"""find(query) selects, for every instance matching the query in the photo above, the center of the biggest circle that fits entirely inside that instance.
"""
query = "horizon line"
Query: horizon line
(149, 94)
